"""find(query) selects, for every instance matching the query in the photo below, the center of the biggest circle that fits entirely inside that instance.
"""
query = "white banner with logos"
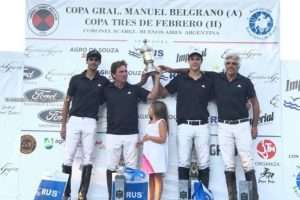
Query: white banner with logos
(290, 120)
(11, 82)
(60, 33)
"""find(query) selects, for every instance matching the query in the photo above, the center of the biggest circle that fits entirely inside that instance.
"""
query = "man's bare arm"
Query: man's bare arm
(173, 70)
(143, 80)
(153, 95)
(65, 116)
(256, 111)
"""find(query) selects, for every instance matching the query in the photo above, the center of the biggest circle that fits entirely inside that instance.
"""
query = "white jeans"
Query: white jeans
(239, 135)
(114, 144)
(186, 134)
(80, 129)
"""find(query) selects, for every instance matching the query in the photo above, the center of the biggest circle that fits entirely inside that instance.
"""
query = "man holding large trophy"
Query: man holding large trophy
(122, 100)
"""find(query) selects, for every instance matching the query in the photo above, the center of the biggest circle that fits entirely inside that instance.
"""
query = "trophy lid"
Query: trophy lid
(146, 47)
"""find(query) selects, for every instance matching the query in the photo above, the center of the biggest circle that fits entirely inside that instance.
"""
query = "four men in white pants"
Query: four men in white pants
(231, 91)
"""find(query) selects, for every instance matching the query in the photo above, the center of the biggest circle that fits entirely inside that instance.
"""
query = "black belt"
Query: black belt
(236, 121)
(75, 115)
(193, 122)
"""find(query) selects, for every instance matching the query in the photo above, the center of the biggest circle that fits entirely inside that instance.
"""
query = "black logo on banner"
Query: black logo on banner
(184, 57)
(157, 53)
(266, 176)
(292, 85)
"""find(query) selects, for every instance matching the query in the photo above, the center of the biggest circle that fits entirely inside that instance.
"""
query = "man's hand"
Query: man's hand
(254, 132)
(63, 132)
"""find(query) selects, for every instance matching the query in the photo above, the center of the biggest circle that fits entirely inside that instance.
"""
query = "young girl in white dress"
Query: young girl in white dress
(155, 148)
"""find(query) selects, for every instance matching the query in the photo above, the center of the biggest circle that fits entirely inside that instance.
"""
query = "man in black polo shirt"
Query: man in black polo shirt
(232, 92)
(122, 101)
(85, 92)
(194, 91)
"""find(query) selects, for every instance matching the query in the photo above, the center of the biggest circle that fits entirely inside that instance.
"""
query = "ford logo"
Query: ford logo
(31, 73)
(44, 95)
(51, 116)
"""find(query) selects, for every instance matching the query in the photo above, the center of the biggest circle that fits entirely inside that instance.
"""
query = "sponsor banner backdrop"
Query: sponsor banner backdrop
(60, 33)
(121, 20)
(11, 78)
(291, 114)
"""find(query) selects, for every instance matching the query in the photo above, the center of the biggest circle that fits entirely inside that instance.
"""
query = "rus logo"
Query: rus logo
(134, 195)
(49, 192)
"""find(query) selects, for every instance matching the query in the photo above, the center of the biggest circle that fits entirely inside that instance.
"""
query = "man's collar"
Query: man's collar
(112, 85)
(83, 75)
(186, 75)
(237, 77)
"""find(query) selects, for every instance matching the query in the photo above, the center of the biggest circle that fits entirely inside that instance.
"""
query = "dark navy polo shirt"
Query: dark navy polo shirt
(86, 95)
(192, 96)
(122, 108)
(232, 96)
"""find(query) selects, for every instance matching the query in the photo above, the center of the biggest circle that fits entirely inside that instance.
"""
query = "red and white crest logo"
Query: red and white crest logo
(266, 149)
(42, 20)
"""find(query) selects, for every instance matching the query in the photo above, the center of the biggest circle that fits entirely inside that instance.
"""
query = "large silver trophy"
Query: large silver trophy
(147, 53)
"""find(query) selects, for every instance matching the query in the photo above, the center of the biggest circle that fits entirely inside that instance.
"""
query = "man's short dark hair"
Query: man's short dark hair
(93, 54)
(116, 65)
(195, 54)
